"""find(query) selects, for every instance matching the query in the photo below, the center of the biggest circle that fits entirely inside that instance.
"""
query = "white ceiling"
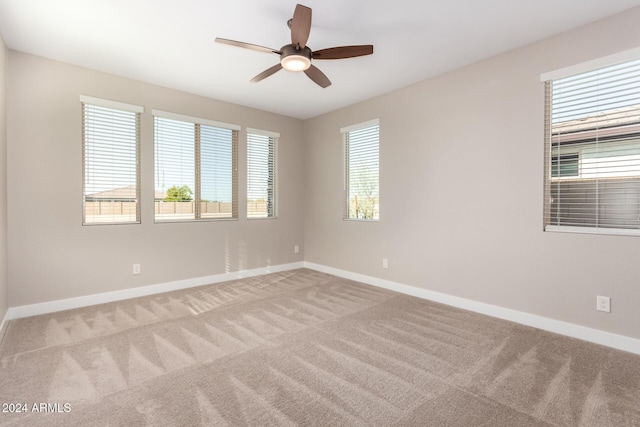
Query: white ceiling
(171, 42)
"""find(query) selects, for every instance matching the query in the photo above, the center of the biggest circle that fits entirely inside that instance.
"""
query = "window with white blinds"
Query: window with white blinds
(195, 168)
(592, 151)
(110, 159)
(362, 187)
(261, 173)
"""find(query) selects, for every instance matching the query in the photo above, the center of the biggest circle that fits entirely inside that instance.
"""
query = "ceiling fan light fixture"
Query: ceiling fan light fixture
(297, 56)
(295, 63)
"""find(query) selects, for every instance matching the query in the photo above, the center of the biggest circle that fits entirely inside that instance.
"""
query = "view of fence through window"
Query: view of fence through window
(593, 149)
(361, 146)
(194, 171)
(110, 140)
(195, 165)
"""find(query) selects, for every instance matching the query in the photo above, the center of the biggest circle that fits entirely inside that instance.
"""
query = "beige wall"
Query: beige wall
(52, 256)
(3, 181)
(461, 191)
(461, 196)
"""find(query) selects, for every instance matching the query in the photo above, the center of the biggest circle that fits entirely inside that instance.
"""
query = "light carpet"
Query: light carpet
(304, 348)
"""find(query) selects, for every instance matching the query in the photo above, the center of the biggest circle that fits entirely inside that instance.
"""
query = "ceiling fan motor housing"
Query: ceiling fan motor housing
(293, 58)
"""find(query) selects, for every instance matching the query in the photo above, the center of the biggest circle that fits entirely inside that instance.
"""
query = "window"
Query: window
(592, 150)
(564, 165)
(361, 150)
(261, 173)
(195, 168)
(110, 158)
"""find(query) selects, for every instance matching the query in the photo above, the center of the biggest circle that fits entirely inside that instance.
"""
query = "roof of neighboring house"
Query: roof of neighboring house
(600, 126)
(618, 117)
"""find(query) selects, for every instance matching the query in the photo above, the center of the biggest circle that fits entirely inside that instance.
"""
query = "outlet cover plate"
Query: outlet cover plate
(603, 304)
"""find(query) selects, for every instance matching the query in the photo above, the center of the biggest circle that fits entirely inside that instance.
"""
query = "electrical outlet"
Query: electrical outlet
(136, 268)
(385, 263)
(296, 249)
(603, 304)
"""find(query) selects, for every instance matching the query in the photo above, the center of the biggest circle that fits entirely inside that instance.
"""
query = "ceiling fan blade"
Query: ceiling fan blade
(300, 26)
(247, 45)
(317, 76)
(343, 52)
(266, 73)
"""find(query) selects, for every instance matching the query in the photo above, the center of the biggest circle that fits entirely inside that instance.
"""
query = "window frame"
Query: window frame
(272, 201)
(606, 137)
(345, 131)
(197, 178)
(118, 107)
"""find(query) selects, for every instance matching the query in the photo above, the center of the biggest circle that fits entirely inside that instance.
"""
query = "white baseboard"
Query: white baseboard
(84, 301)
(596, 336)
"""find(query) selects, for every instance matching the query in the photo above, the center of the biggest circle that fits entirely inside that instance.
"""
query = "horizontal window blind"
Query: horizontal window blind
(111, 176)
(175, 169)
(261, 174)
(361, 147)
(195, 170)
(218, 172)
(592, 150)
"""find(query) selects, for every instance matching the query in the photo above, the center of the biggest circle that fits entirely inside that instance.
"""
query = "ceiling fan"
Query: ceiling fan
(297, 56)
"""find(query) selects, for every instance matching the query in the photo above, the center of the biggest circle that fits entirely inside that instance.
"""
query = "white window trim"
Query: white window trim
(205, 122)
(343, 132)
(605, 61)
(360, 126)
(592, 230)
(262, 132)
(114, 105)
(597, 63)
(106, 103)
(196, 120)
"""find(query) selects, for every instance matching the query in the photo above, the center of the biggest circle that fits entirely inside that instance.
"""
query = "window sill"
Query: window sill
(592, 230)
(187, 221)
